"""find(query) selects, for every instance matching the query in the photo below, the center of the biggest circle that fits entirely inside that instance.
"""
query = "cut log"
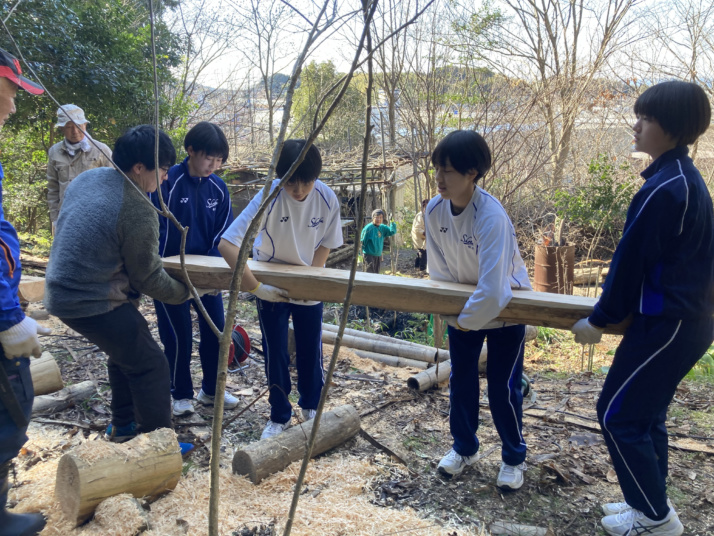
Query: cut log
(339, 255)
(146, 466)
(410, 351)
(588, 276)
(63, 399)
(391, 360)
(31, 288)
(267, 456)
(46, 377)
(389, 292)
(429, 378)
(368, 335)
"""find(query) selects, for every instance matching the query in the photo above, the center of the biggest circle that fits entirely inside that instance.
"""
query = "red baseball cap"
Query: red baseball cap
(10, 69)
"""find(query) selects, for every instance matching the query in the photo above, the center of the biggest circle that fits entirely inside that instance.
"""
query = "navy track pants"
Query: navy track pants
(176, 334)
(653, 357)
(504, 371)
(307, 322)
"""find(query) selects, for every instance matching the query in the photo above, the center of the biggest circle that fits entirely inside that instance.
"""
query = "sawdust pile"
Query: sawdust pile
(333, 501)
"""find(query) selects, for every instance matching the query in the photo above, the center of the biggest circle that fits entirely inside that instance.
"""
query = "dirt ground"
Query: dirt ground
(569, 473)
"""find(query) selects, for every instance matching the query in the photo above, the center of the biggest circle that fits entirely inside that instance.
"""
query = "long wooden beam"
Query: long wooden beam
(388, 292)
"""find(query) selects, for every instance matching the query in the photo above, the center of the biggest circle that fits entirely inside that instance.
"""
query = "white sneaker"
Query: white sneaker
(610, 509)
(183, 406)
(308, 414)
(510, 476)
(631, 522)
(274, 428)
(229, 401)
(453, 463)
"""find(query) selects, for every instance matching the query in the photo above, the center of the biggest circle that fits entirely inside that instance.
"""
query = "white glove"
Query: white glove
(209, 291)
(270, 293)
(21, 339)
(585, 332)
(453, 321)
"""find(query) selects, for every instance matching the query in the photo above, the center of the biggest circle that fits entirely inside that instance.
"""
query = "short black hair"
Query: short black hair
(310, 167)
(466, 150)
(682, 109)
(136, 146)
(424, 203)
(207, 138)
(378, 212)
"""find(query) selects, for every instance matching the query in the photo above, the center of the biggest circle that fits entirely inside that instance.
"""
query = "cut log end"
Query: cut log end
(146, 466)
(267, 456)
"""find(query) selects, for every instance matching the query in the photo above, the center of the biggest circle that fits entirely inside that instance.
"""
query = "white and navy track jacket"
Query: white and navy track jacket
(201, 203)
(664, 263)
(478, 247)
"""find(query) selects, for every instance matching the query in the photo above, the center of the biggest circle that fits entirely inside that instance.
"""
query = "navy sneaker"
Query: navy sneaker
(120, 434)
(186, 448)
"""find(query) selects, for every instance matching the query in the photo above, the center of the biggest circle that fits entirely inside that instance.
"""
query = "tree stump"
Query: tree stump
(267, 456)
(46, 377)
(147, 466)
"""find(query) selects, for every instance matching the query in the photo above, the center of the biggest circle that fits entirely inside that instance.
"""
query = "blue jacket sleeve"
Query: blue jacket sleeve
(652, 222)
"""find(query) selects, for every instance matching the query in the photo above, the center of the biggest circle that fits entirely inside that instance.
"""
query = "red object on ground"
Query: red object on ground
(240, 347)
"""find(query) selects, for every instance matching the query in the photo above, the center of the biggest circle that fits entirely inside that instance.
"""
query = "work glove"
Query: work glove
(21, 339)
(453, 321)
(270, 293)
(207, 291)
(585, 332)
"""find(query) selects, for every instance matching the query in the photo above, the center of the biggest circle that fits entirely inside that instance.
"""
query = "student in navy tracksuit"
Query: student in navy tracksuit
(200, 200)
(662, 277)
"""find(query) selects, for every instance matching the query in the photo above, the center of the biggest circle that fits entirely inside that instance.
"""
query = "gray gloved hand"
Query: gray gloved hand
(585, 332)
(270, 293)
(21, 339)
(453, 321)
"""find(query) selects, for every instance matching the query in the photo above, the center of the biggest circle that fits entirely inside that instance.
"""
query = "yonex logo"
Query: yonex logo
(284, 219)
(184, 200)
(443, 229)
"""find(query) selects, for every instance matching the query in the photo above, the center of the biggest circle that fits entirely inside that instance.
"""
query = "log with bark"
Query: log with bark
(431, 377)
(389, 292)
(46, 376)
(63, 399)
(393, 347)
(147, 466)
(267, 456)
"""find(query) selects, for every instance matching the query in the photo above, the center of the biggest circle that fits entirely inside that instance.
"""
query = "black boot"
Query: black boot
(16, 524)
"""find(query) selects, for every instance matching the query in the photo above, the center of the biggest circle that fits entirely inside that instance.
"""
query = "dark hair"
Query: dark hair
(682, 109)
(310, 167)
(376, 212)
(424, 203)
(466, 150)
(136, 146)
(207, 138)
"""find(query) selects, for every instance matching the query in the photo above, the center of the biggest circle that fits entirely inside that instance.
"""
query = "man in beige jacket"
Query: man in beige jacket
(70, 157)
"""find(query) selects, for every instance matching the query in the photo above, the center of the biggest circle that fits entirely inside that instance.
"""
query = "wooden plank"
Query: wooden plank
(389, 292)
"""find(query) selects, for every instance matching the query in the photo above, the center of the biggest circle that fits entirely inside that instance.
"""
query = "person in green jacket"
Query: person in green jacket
(373, 236)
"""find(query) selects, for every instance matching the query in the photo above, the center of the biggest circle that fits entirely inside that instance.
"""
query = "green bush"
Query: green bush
(600, 206)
